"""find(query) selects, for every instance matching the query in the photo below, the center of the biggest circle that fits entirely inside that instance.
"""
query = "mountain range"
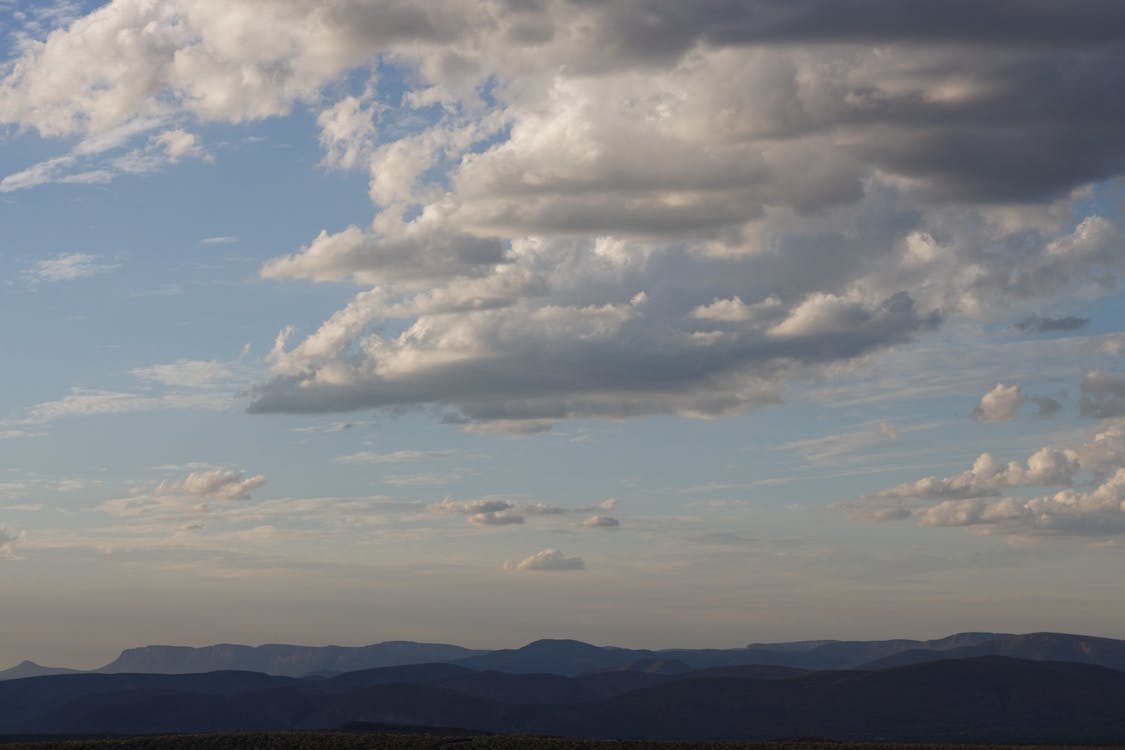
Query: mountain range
(565, 657)
(989, 699)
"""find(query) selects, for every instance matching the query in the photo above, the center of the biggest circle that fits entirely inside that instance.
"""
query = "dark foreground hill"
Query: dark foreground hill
(990, 699)
(396, 739)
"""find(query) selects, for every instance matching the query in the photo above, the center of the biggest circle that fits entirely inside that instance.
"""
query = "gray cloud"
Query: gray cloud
(1037, 324)
(1103, 395)
(600, 522)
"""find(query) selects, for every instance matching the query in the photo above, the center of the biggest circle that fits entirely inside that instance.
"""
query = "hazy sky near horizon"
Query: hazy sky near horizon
(643, 322)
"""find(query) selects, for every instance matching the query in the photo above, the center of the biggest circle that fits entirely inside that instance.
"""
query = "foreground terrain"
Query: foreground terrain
(379, 741)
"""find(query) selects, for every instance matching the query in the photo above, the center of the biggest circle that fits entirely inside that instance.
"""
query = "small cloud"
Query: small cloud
(549, 559)
(1000, 404)
(224, 484)
(1037, 324)
(600, 522)
(501, 518)
(334, 427)
(1046, 407)
(1103, 395)
(9, 541)
(222, 240)
(67, 267)
(482, 512)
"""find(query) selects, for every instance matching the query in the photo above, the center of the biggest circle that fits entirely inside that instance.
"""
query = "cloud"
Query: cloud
(9, 541)
(575, 215)
(1090, 503)
(90, 402)
(68, 267)
(328, 428)
(549, 559)
(1000, 404)
(1003, 402)
(219, 240)
(221, 484)
(494, 511)
(1037, 324)
(191, 373)
(1103, 395)
(482, 512)
(607, 505)
(396, 457)
(600, 522)
(88, 163)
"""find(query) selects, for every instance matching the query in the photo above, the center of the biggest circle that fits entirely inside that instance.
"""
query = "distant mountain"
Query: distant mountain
(987, 700)
(1082, 649)
(563, 657)
(31, 669)
(567, 657)
(570, 657)
(850, 654)
(292, 661)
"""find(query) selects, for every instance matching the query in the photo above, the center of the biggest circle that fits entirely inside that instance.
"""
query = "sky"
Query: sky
(641, 322)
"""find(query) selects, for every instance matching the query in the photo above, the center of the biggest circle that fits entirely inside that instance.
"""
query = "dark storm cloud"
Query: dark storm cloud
(656, 25)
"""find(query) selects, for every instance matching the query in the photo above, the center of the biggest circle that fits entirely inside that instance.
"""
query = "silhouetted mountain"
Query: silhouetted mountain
(850, 654)
(563, 657)
(989, 699)
(31, 669)
(33, 700)
(1081, 649)
(292, 661)
(993, 699)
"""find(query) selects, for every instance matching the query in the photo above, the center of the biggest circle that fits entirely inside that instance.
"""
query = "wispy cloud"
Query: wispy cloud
(68, 267)
(549, 559)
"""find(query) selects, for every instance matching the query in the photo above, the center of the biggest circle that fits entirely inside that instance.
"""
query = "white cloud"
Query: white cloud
(1000, 404)
(89, 162)
(974, 499)
(494, 511)
(607, 505)
(90, 402)
(549, 559)
(600, 522)
(68, 267)
(225, 239)
(221, 484)
(191, 373)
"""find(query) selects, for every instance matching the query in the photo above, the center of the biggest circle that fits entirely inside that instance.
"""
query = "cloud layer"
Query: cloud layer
(588, 220)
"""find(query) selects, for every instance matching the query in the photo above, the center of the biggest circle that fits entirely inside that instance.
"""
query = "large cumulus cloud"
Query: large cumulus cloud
(637, 206)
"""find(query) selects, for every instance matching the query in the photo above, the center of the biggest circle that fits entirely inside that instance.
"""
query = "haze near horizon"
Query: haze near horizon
(638, 322)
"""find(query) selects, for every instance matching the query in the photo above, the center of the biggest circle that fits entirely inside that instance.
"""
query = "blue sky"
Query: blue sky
(486, 321)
